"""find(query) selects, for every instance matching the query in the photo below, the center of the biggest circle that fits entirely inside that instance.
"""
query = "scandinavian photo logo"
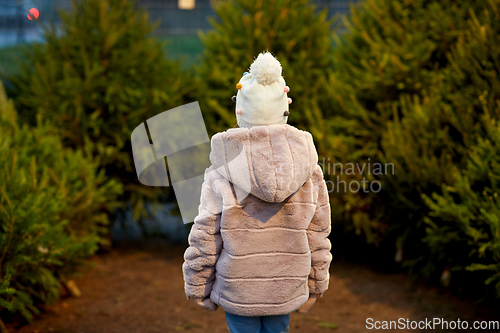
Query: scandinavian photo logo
(173, 149)
(354, 176)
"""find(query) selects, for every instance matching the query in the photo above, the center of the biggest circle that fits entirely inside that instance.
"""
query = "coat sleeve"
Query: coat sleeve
(205, 241)
(317, 234)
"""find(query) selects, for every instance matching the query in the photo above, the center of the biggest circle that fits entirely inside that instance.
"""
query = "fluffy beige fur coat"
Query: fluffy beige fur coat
(259, 244)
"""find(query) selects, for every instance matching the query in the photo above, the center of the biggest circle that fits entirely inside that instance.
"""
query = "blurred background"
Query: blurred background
(410, 84)
(179, 25)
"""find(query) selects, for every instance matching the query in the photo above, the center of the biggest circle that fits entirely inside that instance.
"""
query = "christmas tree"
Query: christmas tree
(415, 87)
(292, 30)
(98, 76)
(54, 207)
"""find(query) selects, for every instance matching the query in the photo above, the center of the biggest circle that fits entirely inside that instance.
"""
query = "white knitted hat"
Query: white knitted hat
(262, 94)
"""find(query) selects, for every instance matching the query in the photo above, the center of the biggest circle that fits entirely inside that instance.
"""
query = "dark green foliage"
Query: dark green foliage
(4, 291)
(391, 50)
(54, 208)
(463, 228)
(416, 84)
(9, 58)
(98, 78)
(299, 37)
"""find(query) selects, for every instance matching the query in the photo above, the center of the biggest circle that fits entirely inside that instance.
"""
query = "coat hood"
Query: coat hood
(270, 162)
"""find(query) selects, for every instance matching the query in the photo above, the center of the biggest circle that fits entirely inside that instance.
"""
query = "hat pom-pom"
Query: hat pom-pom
(266, 69)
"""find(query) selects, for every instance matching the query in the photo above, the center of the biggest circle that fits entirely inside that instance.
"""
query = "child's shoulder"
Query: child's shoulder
(255, 129)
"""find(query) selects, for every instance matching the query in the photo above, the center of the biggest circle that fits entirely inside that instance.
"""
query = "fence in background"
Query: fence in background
(16, 28)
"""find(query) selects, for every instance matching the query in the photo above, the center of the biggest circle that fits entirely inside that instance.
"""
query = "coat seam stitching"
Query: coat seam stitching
(291, 154)
(253, 165)
(272, 159)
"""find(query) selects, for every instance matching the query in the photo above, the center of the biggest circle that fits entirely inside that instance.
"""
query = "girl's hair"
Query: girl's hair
(236, 126)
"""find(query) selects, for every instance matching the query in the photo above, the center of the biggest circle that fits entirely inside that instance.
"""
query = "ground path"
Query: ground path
(140, 289)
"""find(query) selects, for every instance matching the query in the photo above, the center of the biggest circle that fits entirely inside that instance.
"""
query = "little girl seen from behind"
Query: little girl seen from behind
(259, 245)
